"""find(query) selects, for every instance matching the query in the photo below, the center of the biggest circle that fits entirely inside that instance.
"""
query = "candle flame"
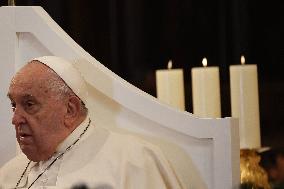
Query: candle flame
(170, 64)
(243, 60)
(204, 62)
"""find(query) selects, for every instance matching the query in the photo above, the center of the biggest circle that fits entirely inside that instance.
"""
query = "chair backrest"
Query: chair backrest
(204, 152)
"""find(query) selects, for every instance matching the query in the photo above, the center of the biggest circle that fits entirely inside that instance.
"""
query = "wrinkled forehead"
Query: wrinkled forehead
(30, 73)
(33, 76)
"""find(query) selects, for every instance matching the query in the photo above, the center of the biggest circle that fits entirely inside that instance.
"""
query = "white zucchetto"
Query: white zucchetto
(68, 72)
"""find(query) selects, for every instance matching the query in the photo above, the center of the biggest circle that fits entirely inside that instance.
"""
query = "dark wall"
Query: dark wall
(134, 38)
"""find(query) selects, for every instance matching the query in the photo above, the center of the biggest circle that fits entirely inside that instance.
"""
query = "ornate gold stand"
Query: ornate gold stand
(11, 2)
(251, 172)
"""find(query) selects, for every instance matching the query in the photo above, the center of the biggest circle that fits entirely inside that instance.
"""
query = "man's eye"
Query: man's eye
(29, 104)
(13, 106)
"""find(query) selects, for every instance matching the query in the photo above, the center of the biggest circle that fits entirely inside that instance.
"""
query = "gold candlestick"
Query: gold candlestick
(251, 172)
(11, 3)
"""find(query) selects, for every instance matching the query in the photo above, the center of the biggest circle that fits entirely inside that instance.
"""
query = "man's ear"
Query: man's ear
(73, 111)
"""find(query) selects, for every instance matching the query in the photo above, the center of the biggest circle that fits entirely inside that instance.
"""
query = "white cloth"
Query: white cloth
(101, 159)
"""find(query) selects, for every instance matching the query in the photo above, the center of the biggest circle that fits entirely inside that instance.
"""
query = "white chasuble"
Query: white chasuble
(101, 159)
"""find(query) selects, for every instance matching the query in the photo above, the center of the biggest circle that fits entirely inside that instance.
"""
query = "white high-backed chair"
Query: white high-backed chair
(204, 152)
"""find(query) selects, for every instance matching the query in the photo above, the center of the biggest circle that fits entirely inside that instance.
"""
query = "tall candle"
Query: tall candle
(170, 87)
(206, 91)
(244, 103)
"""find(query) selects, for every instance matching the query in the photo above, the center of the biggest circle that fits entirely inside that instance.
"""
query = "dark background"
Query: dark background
(133, 38)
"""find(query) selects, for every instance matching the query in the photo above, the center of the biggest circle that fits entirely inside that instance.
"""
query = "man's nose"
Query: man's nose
(18, 117)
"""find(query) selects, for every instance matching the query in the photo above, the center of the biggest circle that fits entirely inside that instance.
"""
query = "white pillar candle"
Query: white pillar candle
(244, 103)
(206, 91)
(170, 87)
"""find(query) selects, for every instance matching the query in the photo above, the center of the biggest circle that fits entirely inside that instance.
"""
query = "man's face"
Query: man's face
(38, 112)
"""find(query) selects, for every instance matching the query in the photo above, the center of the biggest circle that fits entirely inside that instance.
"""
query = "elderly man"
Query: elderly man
(60, 144)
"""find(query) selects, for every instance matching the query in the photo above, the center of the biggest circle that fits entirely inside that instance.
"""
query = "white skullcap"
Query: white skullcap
(68, 72)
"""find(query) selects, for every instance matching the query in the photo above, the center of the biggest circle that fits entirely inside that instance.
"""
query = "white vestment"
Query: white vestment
(101, 159)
